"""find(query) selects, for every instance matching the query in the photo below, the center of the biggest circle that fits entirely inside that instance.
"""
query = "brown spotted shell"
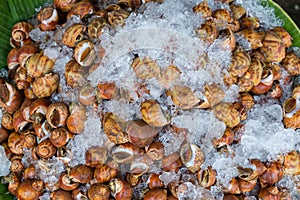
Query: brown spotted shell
(222, 17)
(203, 9)
(214, 94)
(237, 11)
(116, 15)
(207, 32)
(291, 164)
(20, 31)
(192, 157)
(95, 27)
(113, 128)
(291, 63)
(57, 114)
(12, 58)
(240, 63)
(64, 5)
(85, 53)
(273, 47)
(285, 36)
(77, 118)
(73, 35)
(45, 86)
(250, 23)
(183, 97)
(140, 133)
(87, 95)
(291, 114)
(227, 113)
(25, 52)
(255, 71)
(81, 9)
(169, 76)
(74, 74)
(145, 68)
(152, 114)
(252, 37)
(48, 17)
(207, 177)
(38, 65)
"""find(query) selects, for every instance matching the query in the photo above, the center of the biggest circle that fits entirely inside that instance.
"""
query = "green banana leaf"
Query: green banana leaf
(288, 23)
(12, 11)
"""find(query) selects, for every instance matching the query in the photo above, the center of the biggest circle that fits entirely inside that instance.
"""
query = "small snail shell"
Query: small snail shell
(98, 191)
(129, 5)
(3, 134)
(29, 172)
(113, 128)
(81, 9)
(95, 27)
(45, 86)
(106, 173)
(116, 15)
(48, 17)
(66, 183)
(15, 143)
(269, 193)
(285, 36)
(30, 189)
(120, 189)
(124, 153)
(7, 121)
(81, 174)
(140, 133)
(77, 118)
(29, 138)
(61, 195)
(46, 149)
(106, 90)
(60, 137)
(292, 163)
(22, 79)
(207, 177)
(156, 194)
(10, 97)
(87, 95)
(57, 114)
(64, 5)
(39, 65)
(272, 175)
(20, 31)
(95, 156)
(192, 157)
(247, 186)
(73, 35)
(19, 123)
(273, 47)
(156, 151)
(140, 165)
(38, 109)
(16, 165)
(155, 182)
(12, 59)
(152, 114)
(171, 162)
(75, 74)
(85, 53)
(132, 179)
(25, 52)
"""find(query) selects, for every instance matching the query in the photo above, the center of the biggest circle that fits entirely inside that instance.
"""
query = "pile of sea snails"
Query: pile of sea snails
(33, 121)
